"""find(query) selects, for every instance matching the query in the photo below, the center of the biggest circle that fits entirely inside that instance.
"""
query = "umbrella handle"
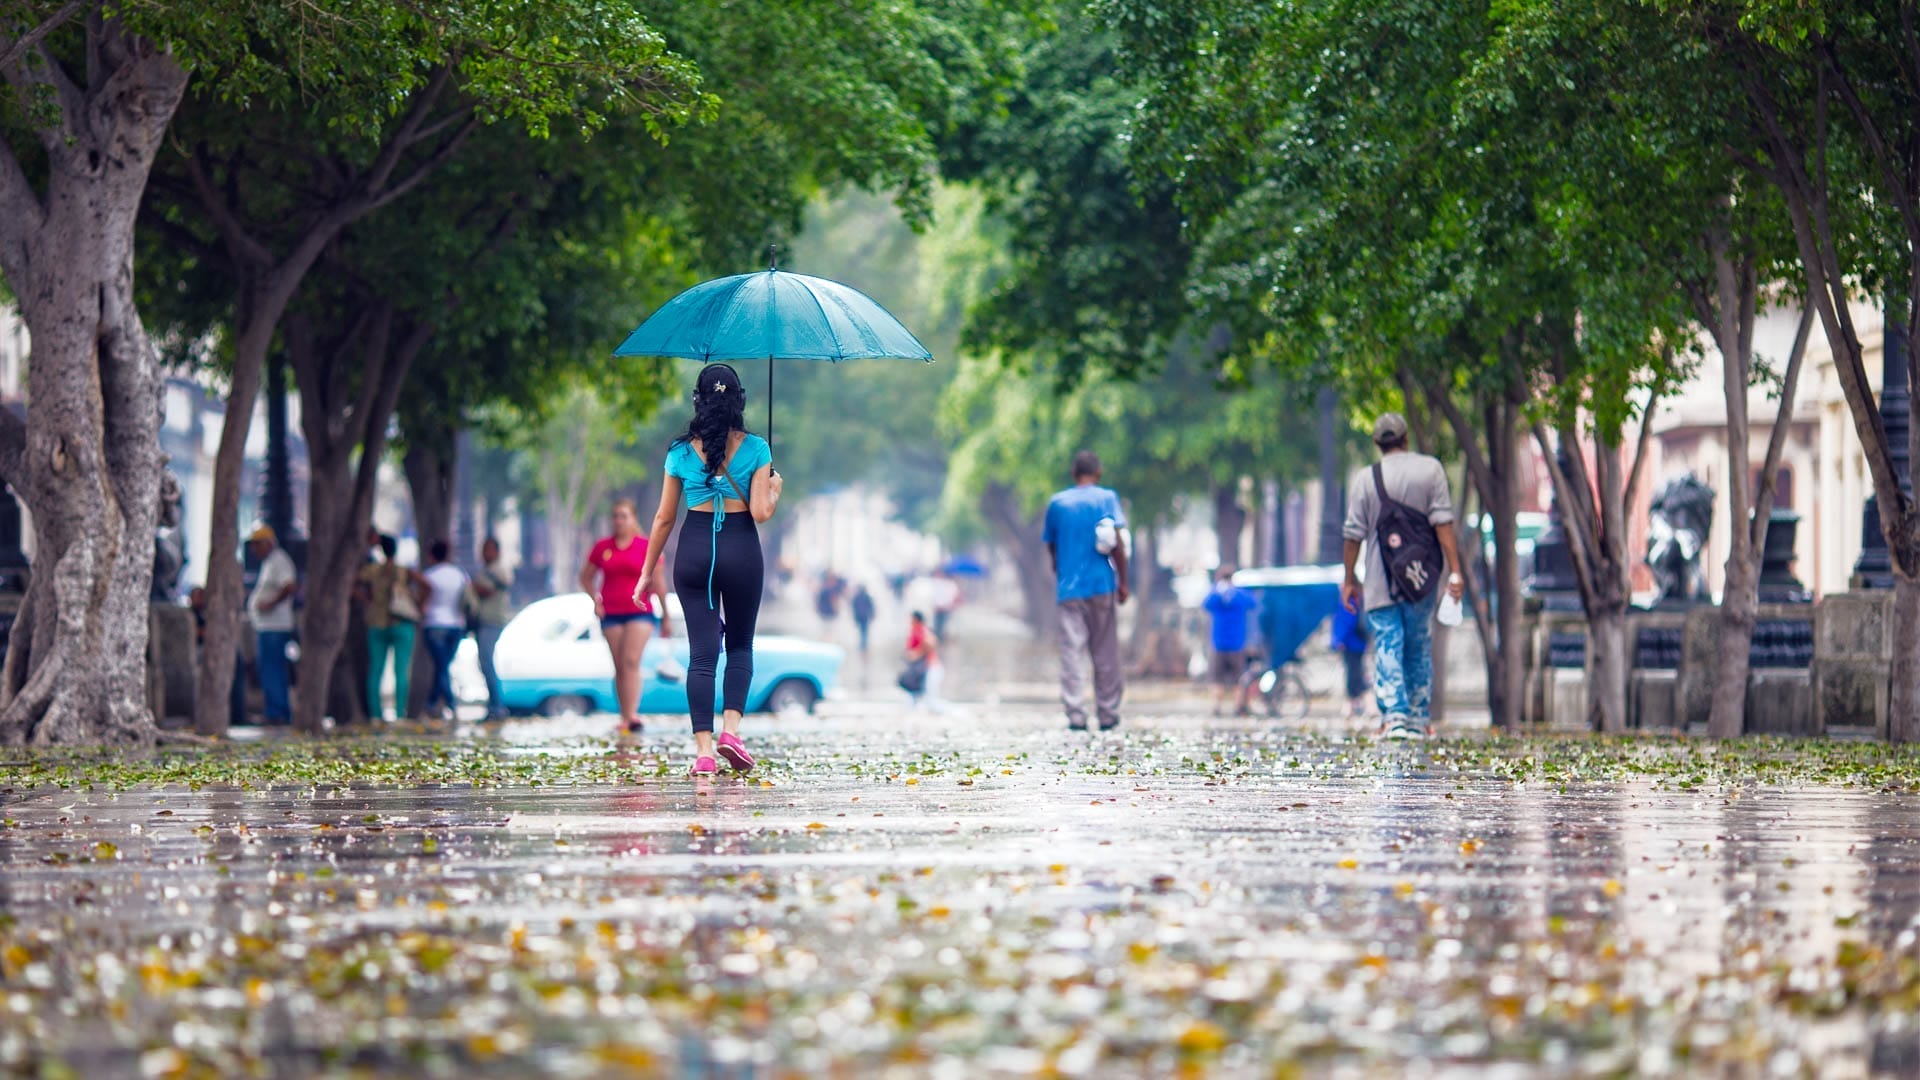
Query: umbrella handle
(769, 403)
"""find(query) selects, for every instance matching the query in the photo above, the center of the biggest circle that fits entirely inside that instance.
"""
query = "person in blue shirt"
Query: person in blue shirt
(725, 477)
(1085, 534)
(1350, 641)
(1229, 608)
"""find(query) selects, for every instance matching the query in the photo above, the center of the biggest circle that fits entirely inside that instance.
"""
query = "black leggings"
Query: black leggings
(737, 577)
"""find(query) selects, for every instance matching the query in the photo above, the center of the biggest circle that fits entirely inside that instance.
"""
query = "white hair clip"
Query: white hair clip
(719, 388)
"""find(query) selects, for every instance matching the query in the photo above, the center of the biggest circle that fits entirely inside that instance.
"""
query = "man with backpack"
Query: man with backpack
(1401, 510)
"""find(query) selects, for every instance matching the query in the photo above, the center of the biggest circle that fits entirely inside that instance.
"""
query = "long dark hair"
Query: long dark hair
(719, 410)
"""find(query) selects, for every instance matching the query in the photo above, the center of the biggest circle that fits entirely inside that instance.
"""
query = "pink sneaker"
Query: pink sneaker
(735, 752)
(705, 766)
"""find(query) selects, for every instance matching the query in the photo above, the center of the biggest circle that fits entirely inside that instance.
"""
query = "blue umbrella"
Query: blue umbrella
(964, 566)
(775, 315)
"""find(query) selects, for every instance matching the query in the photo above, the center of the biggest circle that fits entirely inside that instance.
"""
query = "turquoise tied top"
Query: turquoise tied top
(703, 490)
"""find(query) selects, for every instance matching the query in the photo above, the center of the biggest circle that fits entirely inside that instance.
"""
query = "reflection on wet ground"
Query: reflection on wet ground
(999, 899)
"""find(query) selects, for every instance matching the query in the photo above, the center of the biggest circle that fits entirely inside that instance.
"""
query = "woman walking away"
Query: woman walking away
(924, 672)
(391, 595)
(628, 616)
(445, 624)
(726, 478)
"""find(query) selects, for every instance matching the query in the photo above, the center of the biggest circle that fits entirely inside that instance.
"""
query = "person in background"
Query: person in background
(724, 476)
(197, 603)
(270, 610)
(1085, 537)
(863, 615)
(1228, 607)
(1402, 630)
(826, 601)
(625, 604)
(923, 661)
(445, 623)
(492, 606)
(1350, 641)
(946, 600)
(390, 598)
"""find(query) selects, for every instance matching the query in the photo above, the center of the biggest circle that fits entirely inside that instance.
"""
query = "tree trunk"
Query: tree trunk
(1608, 662)
(87, 461)
(1229, 521)
(1020, 535)
(1507, 681)
(220, 637)
(1903, 700)
(269, 278)
(1739, 609)
(1494, 473)
(430, 479)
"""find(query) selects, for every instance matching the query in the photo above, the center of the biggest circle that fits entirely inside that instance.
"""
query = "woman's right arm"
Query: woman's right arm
(587, 574)
(766, 485)
(663, 519)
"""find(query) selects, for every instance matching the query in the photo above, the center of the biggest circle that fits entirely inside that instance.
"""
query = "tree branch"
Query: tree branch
(1911, 39)
(246, 249)
(1777, 439)
(1584, 545)
(426, 168)
(1899, 193)
(1477, 464)
(23, 213)
(1644, 445)
(27, 42)
(73, 100)
(408, 133)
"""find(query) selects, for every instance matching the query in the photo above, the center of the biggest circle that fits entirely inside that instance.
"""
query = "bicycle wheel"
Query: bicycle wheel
(1284, 693)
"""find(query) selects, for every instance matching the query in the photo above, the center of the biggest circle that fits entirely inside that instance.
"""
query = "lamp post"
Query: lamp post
(1874, 570)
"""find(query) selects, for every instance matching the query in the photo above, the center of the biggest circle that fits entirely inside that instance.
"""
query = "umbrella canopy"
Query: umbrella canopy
(964, 566)
(773, 315)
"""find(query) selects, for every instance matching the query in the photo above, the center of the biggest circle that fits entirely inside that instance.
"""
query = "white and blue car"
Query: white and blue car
(552, 660)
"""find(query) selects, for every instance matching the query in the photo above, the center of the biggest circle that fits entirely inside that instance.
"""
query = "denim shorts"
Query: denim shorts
(629, 617)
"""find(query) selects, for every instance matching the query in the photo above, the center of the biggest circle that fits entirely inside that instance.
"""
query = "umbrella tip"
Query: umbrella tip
(773, 257)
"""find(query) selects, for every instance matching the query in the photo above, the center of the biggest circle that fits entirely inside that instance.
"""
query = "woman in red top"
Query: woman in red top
(628, 614)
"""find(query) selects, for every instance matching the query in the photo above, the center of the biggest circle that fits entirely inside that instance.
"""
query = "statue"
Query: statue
(1677, 537)
(169, 545)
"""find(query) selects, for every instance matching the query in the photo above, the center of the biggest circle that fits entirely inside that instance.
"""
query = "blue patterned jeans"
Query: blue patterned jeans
(1403, 660)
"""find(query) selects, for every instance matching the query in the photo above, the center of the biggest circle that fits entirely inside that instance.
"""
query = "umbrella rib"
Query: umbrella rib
(839, 352)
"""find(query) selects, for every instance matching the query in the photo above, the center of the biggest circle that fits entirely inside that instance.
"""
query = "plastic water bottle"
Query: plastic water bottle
(1450, 610)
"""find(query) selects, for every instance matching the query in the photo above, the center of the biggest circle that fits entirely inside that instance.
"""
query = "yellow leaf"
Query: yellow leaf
(1610, 887)
(1349, 864)
(1203, 1038)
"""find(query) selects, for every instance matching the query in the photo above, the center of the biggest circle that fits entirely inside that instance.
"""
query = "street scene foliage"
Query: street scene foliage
(1210, 241)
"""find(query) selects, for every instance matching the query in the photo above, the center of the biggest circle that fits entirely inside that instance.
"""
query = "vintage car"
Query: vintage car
(552, 660)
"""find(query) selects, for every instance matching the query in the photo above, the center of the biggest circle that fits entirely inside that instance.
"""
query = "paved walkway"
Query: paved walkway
(987, 896)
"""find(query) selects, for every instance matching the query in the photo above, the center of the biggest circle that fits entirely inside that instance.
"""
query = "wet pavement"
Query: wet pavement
(962, 897)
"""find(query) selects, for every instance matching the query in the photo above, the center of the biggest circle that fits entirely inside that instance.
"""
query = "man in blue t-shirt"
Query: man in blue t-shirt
(1085, 533)
(1229, 606)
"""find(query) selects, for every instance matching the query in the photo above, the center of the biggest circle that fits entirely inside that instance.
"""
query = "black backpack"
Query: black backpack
(1409, 548)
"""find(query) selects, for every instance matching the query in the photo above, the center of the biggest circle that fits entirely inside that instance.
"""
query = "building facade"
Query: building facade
(1823, 470)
